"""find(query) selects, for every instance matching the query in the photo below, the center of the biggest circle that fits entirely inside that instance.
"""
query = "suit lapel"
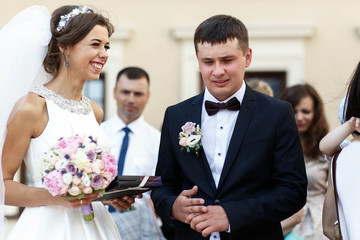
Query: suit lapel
(246, 113)
(196, 115)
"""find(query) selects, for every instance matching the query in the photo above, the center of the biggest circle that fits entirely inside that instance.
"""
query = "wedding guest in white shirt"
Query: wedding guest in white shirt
(132, 93)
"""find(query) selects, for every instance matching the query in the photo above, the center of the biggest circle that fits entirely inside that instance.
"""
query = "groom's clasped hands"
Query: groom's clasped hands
(203, 219)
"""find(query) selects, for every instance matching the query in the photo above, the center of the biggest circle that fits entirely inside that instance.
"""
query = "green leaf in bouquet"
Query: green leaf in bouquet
(70, 197)
(80, 195)
(102, 191)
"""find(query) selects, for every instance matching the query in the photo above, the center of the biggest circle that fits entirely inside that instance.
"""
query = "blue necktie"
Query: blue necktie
(123, 150)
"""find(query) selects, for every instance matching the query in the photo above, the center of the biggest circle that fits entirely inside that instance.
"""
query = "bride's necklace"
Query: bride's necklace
(79, 107)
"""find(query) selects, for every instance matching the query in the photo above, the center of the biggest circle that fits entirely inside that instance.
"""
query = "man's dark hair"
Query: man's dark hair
(133, 73)
(219, 29)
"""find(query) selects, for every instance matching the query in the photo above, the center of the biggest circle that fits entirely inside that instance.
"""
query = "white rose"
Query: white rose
(193, 140)
(96, 168)
(62, 163)
(67, 178)
(85, 180)
(98, 165)
(80, 159)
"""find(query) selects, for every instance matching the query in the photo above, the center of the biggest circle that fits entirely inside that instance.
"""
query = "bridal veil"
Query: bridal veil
(23, 46)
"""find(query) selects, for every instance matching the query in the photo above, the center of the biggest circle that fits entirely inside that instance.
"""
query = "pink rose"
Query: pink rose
(74, 190)
(69, 146)
(110, 173)
(76, 180)
(108, 158)
(110, 165)
(182, 142)
(87, 190)
(188, 128)
(54, 183)
(88, 168)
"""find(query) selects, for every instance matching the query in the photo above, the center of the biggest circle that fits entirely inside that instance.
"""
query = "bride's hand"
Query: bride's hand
(77, 203)
(354, 124)
(123, 203)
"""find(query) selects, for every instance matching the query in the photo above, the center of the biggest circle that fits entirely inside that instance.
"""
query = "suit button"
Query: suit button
(217, 202)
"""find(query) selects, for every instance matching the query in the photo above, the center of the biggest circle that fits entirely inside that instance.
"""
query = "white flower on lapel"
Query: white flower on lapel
(193, 140)
(190, 138)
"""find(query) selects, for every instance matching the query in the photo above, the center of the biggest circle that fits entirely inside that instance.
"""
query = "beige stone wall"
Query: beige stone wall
(331, 53)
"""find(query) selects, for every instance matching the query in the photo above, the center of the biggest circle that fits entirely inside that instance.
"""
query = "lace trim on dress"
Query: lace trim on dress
(78, 107)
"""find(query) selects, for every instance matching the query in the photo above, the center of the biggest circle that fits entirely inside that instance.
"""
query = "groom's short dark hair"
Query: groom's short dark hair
(220, 28)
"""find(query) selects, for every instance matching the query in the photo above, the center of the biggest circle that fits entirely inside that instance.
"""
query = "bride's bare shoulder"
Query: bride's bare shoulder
(30, 110)
(30, 104)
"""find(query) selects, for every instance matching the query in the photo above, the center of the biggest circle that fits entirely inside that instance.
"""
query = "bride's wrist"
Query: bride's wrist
(51, 200)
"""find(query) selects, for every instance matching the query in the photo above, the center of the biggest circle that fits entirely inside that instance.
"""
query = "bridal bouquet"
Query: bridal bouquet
(76, 166)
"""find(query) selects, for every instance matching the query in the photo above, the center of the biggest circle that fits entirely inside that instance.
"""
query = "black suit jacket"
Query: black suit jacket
(263, 180)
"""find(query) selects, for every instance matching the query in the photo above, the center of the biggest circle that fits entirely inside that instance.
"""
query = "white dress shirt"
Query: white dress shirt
(216, 133)
(142, 153)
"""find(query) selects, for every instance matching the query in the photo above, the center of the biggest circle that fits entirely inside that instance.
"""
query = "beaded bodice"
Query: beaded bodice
(78, 107)
(63, 121)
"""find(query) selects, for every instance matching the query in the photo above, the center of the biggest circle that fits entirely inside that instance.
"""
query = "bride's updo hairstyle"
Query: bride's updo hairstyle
(69, 25)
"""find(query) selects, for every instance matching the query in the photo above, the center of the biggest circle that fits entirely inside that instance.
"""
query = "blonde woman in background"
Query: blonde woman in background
(260, 86)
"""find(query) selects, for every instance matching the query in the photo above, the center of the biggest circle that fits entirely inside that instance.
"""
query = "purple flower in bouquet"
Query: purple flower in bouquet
(91, 155)
(76, 166)
(70, 168)
(97, 182)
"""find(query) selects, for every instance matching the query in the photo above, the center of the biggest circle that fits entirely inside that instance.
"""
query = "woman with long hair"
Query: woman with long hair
(312, 126)
(347, 164)
(72, 47)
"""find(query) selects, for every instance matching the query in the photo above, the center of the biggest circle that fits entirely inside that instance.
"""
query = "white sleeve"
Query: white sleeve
(347, 180)
(344, 143)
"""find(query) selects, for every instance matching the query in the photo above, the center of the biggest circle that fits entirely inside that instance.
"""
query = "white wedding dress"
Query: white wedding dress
(57, 222)
(348, 182)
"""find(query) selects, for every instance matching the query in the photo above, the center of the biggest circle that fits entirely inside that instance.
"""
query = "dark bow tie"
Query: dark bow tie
(212, 108)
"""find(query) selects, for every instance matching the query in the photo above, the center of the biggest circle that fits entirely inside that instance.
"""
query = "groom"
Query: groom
(250, 172)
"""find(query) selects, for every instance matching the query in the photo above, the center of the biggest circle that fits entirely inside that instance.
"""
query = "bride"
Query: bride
(72, 51)
(347, 164)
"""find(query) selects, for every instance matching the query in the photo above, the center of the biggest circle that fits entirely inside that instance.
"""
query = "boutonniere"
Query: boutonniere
(190, 138)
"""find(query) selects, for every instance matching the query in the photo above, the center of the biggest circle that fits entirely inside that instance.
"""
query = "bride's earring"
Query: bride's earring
(66, 63)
